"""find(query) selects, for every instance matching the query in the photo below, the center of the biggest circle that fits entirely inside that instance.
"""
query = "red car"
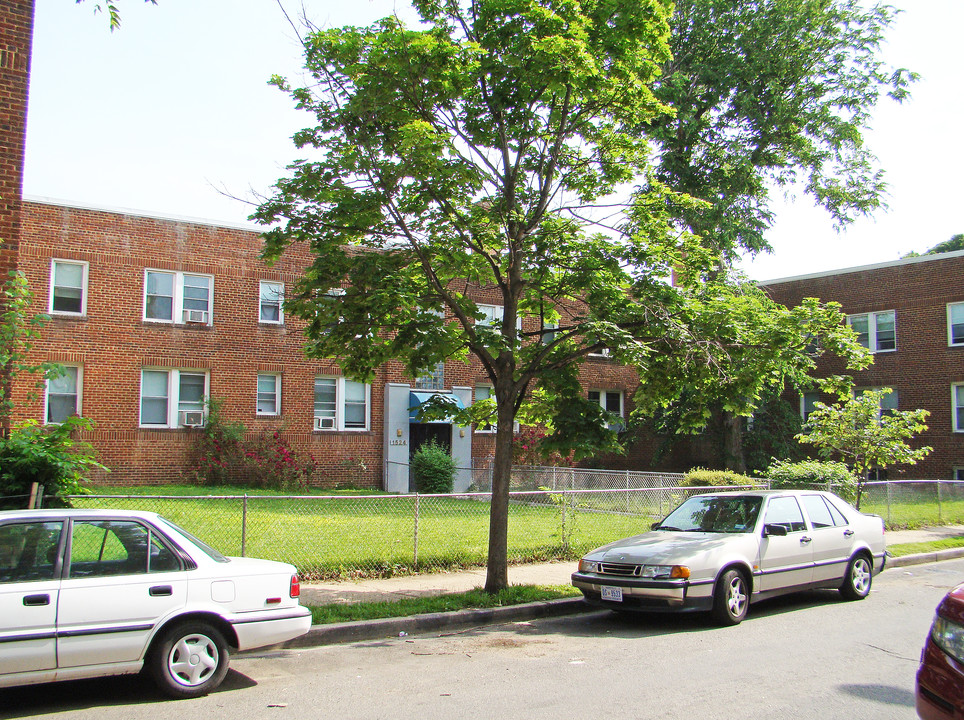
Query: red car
(940, 678)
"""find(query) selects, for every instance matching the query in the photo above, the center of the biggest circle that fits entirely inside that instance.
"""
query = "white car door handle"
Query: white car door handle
(848, 532)
(36, 600)
(805, 540)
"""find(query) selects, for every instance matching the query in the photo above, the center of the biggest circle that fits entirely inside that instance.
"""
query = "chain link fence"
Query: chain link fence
(385, 535)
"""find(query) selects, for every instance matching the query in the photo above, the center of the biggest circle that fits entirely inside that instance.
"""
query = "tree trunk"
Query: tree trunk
(497, 567)
(733, 443)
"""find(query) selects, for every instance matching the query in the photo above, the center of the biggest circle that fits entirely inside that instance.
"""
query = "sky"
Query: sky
(173, 115)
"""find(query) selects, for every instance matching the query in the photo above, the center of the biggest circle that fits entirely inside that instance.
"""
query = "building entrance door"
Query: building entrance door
(422, 434)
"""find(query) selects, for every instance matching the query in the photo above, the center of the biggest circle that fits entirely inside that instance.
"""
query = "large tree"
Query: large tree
(493, 150)
(466, 155)
(771, 95)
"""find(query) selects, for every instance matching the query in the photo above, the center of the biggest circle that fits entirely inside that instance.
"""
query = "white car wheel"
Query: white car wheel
(190, 660)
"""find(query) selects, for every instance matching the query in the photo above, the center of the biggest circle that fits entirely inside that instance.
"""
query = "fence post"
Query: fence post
(415, 540)
(940, 520)
(565, 539)
(888, 502)
(244, 524)
(627, 492)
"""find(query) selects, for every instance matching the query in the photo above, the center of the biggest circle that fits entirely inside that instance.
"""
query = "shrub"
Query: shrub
(433, 469)
(814, 473)
(48, 455)
(224, 455)
(701, 477)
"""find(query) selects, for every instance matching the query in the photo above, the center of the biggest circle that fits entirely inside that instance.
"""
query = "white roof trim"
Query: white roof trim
(250, 227)
(862, 268)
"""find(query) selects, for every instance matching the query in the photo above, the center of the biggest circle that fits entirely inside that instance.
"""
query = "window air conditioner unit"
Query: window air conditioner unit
(191, 418)
(196, 316)
(324, 423)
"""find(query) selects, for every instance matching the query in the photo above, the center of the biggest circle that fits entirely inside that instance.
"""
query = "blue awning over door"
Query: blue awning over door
(417, 397)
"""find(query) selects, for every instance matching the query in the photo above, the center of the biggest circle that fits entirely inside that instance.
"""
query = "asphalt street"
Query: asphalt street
(807, 656)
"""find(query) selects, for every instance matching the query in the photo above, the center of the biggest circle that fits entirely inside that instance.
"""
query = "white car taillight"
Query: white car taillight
(295, 589)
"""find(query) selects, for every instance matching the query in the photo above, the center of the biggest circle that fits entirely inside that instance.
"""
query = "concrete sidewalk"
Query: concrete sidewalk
(552, 573)
(555, 573)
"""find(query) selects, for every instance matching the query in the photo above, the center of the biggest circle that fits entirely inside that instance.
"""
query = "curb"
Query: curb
(360, 630)
(921, 558)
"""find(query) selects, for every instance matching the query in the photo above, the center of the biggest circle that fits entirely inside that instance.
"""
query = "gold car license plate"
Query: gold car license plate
(613, 594)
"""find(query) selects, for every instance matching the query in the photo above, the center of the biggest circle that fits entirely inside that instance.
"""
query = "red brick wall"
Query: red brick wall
(113, 342)
(16, 29)
(923, 367)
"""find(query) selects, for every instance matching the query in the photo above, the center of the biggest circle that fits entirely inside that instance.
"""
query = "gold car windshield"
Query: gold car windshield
(713, 513)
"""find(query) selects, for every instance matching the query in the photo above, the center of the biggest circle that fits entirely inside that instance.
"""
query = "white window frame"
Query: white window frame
(803, 403)
(262, 285)
(495, 314)
(85, 268)
(950, 324)
(178, 311)
(173, 419)
(340, 401)
(872, 322)
(892, 398)
(78, 394)
(277, 395)
(489, 429)
(602, 401)
(957, 407)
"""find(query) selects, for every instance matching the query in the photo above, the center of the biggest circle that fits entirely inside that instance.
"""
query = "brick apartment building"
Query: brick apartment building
(151, 315)
(910, 314)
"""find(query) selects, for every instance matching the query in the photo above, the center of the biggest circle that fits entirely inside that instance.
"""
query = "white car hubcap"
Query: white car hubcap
(736, 598)
(193, 659)
(861, 576)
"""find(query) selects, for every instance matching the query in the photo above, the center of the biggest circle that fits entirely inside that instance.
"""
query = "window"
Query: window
(786, 512)
(100, 548)
(612, 402)
(492, 315)
(486, 392)
(173, 398)
(957, 402)
(875, 331)
(958, 473)
(177, 297)
(269, 394)
(955, 324)
(433, 379)
(341, 404)
(68, 287)
(808, 402)
(28, 551)
(272, 295)
(888, 402)
(821, 514)
(63, 394)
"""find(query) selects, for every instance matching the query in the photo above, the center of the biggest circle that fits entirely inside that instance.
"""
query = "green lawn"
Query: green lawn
(377, 535)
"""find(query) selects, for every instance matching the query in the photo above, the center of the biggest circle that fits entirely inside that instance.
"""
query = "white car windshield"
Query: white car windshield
(715, 513)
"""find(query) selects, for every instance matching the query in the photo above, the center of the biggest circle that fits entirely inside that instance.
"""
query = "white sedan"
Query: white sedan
(720, 552)
(89, 593)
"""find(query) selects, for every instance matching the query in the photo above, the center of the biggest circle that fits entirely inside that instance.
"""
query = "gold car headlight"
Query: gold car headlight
(589, 566)
(665, 572)
(949, 637)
